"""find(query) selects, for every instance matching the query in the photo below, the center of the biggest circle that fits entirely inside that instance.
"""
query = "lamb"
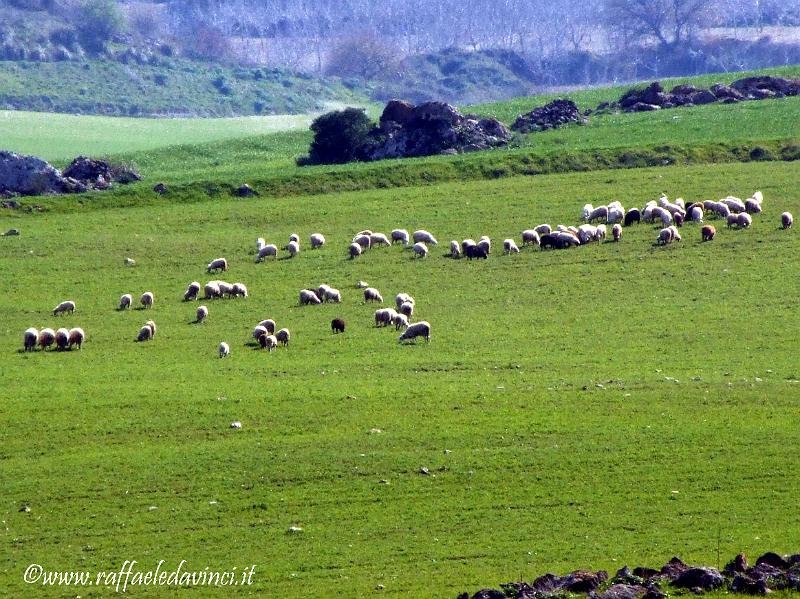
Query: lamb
(317, 240)
(268, 324)
(530, 236)
(616, 231)
(422, 236)
(294, 237)
(757, 196)
(283, 336)
(147, 299)
(191, 292)
(202, 314)
(65, 306)
(130, 262)
(366, 232)
(125, 301)
(420, 249)
(707, 232)
(378, 239)
(62, 339)
(30, 339)
(485, 244)
(268, 342)
(293, 247)
(509, 247)
(333, 295)
(355, 250)
(402, 298)
(543, 229)
(601, 212)
(400, 321)
(678, 216)
(212, 290)
(239, 290)
(217, 264)
(400, 235)
(308, 296)
(372, 295)
(744, 220)
(76, 337)
(47, 337)
(268, 250)
(363, 240)
(337, 325)
(696, 214)
(418, 329)
(455, 249)
(787, 220)
(384, 317)
(224, 349)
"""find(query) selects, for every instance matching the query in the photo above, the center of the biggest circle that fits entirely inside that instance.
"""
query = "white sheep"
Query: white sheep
(400, 235)
(530, 236)
(663, 214)
(378, 239)
(191, 291)
(733, 219)
(485, 244)
(145, 333)
(757, 196)
(616, 214)
(696, 214)
(217, 264)
(260, 243)
(152, 326)
(259, 331)
(420, 249)
(283, 336)
(308, 296)
(418, 329)
(62, 339)
(47, 337)
(355, 250)
(407, 308)
(587, 233)
(400, 321)
(543, 229)
(466, 244)
(587, 210)
(130, 262)
(455, 249)
(125, 301)
(752, 207)
(202, 314)
(147, 299)
(787, 220)
(384, 317)
(676, 236)
(333, 295)
(269, 342)
(212, 290)
(647, 213)
(65, 306)
(293, 247)
(225, 288)
(664, 236)
(317, 240)
(401, 298)
(363, 240)
(239, 290)
(601, 213)
(366, 232)
(600, 233)
(268, 250)
(322, 290)
(76, 337)
(744, 220)
(372, 295)
(29, 339)
(224, 349)
(735, 204)
(268, 324)
(423, 236)
(616, 232)
(294, 237)
(509, 247)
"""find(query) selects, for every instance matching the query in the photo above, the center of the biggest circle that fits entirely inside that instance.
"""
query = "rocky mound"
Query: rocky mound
(430, 128)
(550, 116)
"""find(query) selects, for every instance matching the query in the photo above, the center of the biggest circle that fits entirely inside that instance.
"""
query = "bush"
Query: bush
(98, 21)
(337, 136)
(65, 36)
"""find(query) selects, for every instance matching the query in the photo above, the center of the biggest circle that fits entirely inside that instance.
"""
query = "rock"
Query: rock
(244, 190)
(88, 170)
(702, 96)
(550, 116)
(625, 576)
(549, 583)
(584, 581)
(764, 571)
(645, 573)
(623, 591)
(11, 233)
(702, 578)
(519, 590)
(29, 175)
(683, 90)
(787, 87)
(160, 188)
(13, 204)
(494, 128)
(437, 112)
(489, 594)
(774, 560)
(643, 107)
(721, 91)
(674, 568)
(737, 564)
(744, 584)
(398, 112)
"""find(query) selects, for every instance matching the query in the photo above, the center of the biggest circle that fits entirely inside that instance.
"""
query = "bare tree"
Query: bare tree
(670, 22)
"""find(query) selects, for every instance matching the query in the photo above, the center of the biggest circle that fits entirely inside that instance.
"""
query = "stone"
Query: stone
(702, 96)
(737, 564)
(244, 191)
(702, 578)
(643, 107)
(86, 169)
(489, 594)
(623, 591)
(742, 583)
(774, 560)
(437, 112)
(29, 175)
(550, 116)
(674, 568)
(397, 111)
(12, 204)
(160, 188)
(584, 581)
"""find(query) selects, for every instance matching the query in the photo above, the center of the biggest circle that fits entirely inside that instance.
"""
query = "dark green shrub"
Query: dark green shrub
(338, 135)
(96, 22)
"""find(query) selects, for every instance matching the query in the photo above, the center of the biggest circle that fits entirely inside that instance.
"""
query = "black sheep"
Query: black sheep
(337, 325)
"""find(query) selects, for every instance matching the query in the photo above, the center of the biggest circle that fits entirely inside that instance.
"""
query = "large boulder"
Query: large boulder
(29, 175)
(550, 116)
(88, 170)
(700, 578)
(755, 86)
(437, 113)
(397, 112)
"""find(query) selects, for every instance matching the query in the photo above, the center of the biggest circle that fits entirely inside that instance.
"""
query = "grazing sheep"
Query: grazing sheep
(455, 249)
(632, 216)
(485, 244)
(191, 291)
(466, 244)
(283, 336)
(418, 329)
(616, 231)
(366, 232)
(474, 251)
(664, 215)
(587, 233)
(224, 349)
(566, 239)
(616, 214)
(402, 298)
(294, 237)
(587, 210)
(76, 337)
(548, 240)
(147, 299)
(62, 339)
(202, 314)
(372, 295)
(678, 217)
(733, 219)
(217, 264)
(355, 250)
(787, 220)
(363, 240)
(125, 301)
(735, 204)
(647, 214)
(530, 236)
(260, 243)
(400, 322)
(268, 342)
(130, 262)
(362, 285)
(145, 334)
(65, 306)
(47, 337)
(664, 236)
(752, 207)
(676, 236)
(423, 236)
(509, 247)
(757, 196)
(239, 290)
(268, 250)
(337, 325)
(333, 295)
(378, 239)
(601, 212)
(384, 317)
(707, 232)
(29, 339)
(543, 229)
(152, 326)
(212, 290)
(744, 220)
(293, 247)
(400, 235)
(268, 324)
(420, 249)
(696, 214)
(601, 232)
(260, 331)
(317, 240)
(308, 296)
(322, 290)
(407, 308)
(225, 288)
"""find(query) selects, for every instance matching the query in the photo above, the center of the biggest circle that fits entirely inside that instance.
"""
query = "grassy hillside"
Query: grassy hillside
(616, 403)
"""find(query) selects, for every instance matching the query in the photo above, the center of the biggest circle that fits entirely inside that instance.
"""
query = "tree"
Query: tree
(670, 22)
(338, 135)
(97, 22)
(362, 55)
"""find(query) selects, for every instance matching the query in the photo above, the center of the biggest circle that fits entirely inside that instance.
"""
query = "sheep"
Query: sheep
(362, 285)
(587, 233)
(76, 337)
(587, 210)
(224, 349)
(372, 295)
(407, 308)
(384, 317)
(145, 334)
(696, 214)
(294, 237)
(509, 247)
(212, 290)
(308, 296)
(268, 250)
(601, 212)
(202, 314)
(616, 231)
(130, 262)
(283, 336)
(678, 217)
(260, 243)
(601, 232)
(474, 251)
(423, 236)
(707, 232)
(322, 290)
(217, 264)
(402, 298)
(455, 249)
(744, 220)
(260, 331)
(632, 216)
(333, 295)
(191, 291)
(757, 196)
(733, 219)
(566, 239)
(317, 240)
(485, 244)
(647, 214)
(676, 236)
(420, 249)
(663, 214)
(400, 322)
(147, 299)
(62, 339)
(543, 229)
(355, 250)
(225, 288)
(337, 325)
(467, 243)
(125, 301)
(268, 342)
(239, 290)
(152, 326)
(268, 324)
(680, 203)
(293, 247)
(735, 204)
(752, 207)
(400, 235)
(664, 236)
(616, 214)
(30, 339)
(787, 220)
(548, 241)
(47, 337)
(530, 236)
(366, 232)
(418, 329)
(363, 240)
(378, 239)
(65, 306)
